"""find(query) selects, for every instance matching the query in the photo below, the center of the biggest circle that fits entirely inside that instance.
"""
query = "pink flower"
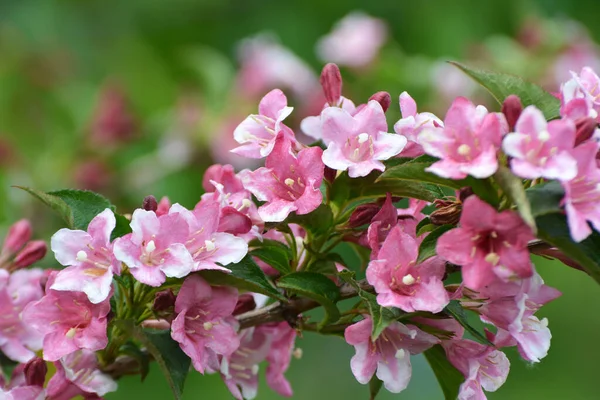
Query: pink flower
(279, 357)
(413, 123)
(358, 143)
(584, 86)
(257, 133)
(582, 193)
(68, 321)
(313, 125)
(77, 374)
(155, 249)
(88, 257)
(488, 245)
(224, 175)
(400, 282)
(204, 327)
(18, 340)
(287, 182)
(389, 355)
(355, 40)
(467, 144)
(541, 149)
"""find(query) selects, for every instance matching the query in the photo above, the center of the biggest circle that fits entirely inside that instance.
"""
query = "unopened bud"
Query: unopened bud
(150, 203)
(512, 108)
(331, 81)
(18, 234)
(329, 174)
(245, 303)
(585, 129)
(449, 214)
(164, 301)
(383, 98)
(464, 193)
(363, 215)
(35, 372)
(32, 252)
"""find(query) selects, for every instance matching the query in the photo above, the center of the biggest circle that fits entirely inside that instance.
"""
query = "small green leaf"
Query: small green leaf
(455, 310)
(316, 287)
(274, 253)
(326, 264)
(245, 275)
(513, 187)
(317, 222)
(545, 198)
(375, 385)
(501, 86)
(427, 247)
(122, 227)
(448, 377)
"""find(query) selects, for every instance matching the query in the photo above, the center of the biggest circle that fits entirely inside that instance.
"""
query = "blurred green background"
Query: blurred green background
(135, 97)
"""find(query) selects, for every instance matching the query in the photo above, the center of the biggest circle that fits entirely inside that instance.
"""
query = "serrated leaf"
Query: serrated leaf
(448, 377)
(545, 198)
(274, 253)
(455, 310)
(245, 275)
(513, 187)
(427, 246)
(501, 86)
(316, 287)
(375, 385)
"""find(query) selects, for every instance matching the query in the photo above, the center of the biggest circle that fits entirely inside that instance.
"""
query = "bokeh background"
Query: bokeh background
(137, 97)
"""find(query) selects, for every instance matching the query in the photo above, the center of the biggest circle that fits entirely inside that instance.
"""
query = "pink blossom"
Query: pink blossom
(355, 40)
(380, 226)
(488, 245)
(400, 282)
(287, 182)
(585, 85)
(582, 193)
(155, 249)
(389, 355)
(77, 374)
(68, 321)
(313, 125)
(358, 143)
(18, 340)
(223, 174)
(18, 235)
(88, 257)
(540, 149)
(203, 326)
(412, 123)
(468, 143)
(23, 393)
(257, 133)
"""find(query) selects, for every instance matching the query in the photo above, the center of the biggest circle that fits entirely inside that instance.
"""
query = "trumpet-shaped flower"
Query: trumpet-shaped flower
(412, 123)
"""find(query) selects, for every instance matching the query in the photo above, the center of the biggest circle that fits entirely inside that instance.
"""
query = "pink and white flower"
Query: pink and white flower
(412, 123)
(358, 143)
(89, 258)
(287, 182)
(389, 355)
(541, 149)
(468, 142)
(488, 245)
(585, 86)
(400, 282)
(204, 327)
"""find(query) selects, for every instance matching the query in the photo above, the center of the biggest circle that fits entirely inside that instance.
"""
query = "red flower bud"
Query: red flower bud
(245, 303)
(331, 81)
(31, 253)
(363, 214)
(18, 234)
(512, 108)
(35, 372)
(164, 301)
(585, 129)
(329, 174)
(382, 98)
(150, 203)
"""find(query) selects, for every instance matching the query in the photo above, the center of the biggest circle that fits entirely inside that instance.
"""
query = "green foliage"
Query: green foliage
(375, 385)
(274, 253)
(317, 222)
(455, 310)
(427, 246)
(448, 377)
(513, 188)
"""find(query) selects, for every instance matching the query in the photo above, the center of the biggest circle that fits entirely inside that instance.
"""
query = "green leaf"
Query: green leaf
(317, 222)
(122, 227)
(513, 187)
(326, 264)
(455, 310)
(316, 287)
(132, 350)
(274, 253)
(545, 198)
(427, 247)
(448, 377)
(245, 275)
(501, 86)
(375, 385)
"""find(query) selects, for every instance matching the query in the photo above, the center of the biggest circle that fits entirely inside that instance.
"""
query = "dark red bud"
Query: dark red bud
(331, 81)
(164, 301)
(329, 174)
(464, 193)
(363, 215)
(585, 129)
(382, 98)
(150, 203)
(35, 372)
(512, 108)
(18, 234)
(31, 253)
(245, 303)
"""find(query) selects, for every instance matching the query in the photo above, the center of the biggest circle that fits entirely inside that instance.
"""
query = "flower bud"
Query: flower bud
(331, 81)
(31, 253)
(163, 206)
(329, 174)
(35, 372)
(383, 98)
(585, 129)
(150, 203)
(449, 214)
(512, 108)
(18, 234)
(363, 214)
(245, 303)
(164, 301)
(464, 193)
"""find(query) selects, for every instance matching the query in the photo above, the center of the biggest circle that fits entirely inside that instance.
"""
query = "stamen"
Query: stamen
(71, 333)
(492, 258)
